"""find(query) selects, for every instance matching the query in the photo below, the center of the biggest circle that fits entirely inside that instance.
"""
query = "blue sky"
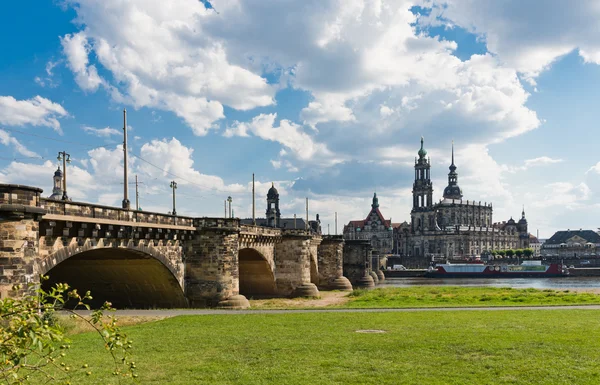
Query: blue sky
(327, 99)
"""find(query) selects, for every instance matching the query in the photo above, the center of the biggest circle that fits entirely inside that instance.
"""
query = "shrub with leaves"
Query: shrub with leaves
(34, 346)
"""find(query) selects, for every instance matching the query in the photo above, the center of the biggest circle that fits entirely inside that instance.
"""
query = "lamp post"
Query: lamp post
(174, 187)
(229, 200)
(66, 158)
(125, 204)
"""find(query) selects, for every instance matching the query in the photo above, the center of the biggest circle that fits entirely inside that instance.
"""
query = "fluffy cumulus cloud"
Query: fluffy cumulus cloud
(528, 36)
(287, 133)
(77, 48)
(159, 55)
(169, 158)
(37, 111)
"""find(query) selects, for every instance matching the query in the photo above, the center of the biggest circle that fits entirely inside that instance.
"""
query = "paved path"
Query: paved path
(176, 312)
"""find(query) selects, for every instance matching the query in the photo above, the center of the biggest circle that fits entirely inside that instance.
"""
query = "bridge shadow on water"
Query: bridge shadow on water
(125, 278)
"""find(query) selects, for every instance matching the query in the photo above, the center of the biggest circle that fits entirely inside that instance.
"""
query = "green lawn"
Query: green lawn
(431, 347)
(449, 296)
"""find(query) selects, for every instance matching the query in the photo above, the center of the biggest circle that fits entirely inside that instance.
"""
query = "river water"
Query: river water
(517, 283)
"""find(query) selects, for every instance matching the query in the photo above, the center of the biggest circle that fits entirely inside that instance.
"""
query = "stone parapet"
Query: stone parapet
(87, 210)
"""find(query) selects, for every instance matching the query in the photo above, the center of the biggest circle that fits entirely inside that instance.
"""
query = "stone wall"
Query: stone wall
(357, 259)
(330, 260)
(19, 241)
(292, 262)
(212, 265)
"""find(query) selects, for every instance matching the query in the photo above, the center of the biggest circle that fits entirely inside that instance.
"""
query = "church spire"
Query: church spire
(452, 191)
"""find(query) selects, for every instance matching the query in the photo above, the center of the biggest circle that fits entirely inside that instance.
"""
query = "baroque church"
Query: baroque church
(453, 227)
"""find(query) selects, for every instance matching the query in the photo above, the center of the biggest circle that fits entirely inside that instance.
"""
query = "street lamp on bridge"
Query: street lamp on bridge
(174, 187)
(66, 158)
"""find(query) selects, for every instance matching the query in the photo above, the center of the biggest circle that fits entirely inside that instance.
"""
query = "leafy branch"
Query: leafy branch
(33, 345)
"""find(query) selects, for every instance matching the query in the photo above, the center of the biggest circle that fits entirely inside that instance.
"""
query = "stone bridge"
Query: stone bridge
(142, 259)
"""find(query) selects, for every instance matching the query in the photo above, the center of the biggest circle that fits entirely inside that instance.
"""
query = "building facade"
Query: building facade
(375, 228)
(572, 245)
(453, 227)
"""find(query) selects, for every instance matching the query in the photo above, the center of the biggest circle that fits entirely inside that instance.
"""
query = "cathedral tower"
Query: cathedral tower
(422, 187)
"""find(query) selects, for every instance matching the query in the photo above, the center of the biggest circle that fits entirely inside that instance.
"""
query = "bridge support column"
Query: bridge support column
(20, 213)
(331, 264)
(292, 265)
(212, 266)
(357, 263)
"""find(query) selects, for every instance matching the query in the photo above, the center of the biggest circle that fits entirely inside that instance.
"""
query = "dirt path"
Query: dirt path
(327, 298)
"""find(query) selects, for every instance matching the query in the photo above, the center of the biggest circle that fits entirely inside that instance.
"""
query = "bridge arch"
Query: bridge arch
(129, 274)
(256, 274)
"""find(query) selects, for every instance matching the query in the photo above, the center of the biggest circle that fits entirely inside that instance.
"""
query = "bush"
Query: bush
(34, 346)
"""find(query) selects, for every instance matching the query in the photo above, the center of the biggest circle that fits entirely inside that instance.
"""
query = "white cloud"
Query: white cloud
(563, 195)
(541, 161)
(326, 107)
(161, 56)
(105, 132)
(595, 168)
(77, 48)
(37, 111)
(276, 164)
(7, 140)
(526, 36)
(176, 161)
(288, 134)
(79, 182)
(48, 80)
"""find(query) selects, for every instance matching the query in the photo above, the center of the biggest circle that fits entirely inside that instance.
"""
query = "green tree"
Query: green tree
(510, 253)
(528, 252)
(501, 253)
(34, 346)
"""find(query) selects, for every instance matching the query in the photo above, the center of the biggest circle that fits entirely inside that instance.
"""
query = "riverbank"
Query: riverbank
(435, 296)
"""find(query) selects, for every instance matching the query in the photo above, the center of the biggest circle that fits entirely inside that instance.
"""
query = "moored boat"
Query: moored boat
(527, 269)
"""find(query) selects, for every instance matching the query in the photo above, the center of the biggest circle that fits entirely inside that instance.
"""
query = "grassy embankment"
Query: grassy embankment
(449, 347)
(435, 296)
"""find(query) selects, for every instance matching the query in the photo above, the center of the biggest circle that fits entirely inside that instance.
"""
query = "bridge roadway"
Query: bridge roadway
(177, 312)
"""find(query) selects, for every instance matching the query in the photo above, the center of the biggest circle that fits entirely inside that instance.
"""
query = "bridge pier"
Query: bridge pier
(20, 213)
(331, 264)
(212, 265)
(357, 263)
(292, 265)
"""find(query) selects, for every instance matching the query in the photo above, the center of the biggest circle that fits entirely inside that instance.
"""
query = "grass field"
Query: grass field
(448, 296)
(434, 296)
(449, 347)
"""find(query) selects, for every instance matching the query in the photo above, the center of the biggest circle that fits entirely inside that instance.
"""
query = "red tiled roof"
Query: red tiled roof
(386, 222)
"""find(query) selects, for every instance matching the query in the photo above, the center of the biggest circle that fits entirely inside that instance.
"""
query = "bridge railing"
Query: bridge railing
(260, 230)
(88, 210)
